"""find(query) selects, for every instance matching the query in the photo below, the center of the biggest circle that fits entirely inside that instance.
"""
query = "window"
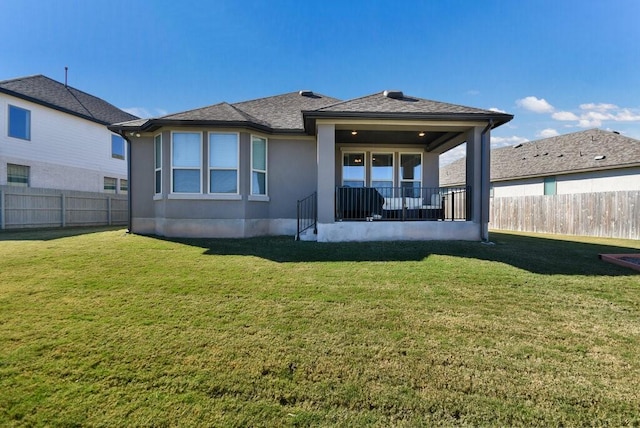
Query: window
(18, 175)
(110, 185)
(117, 147)
(382, 173)
(157, 140)
(411, 174)
(223, 162)
(186, 155)
(549, 185)
(258, 166)
(353, 169)
(19, 123)
(124, 186)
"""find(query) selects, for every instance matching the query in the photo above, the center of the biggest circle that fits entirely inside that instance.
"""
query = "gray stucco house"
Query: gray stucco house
(367, 169)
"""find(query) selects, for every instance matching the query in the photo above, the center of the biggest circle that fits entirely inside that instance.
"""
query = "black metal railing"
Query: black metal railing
(403, 203)
(307, 214)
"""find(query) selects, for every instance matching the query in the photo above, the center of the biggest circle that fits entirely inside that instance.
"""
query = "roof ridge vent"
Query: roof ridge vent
(306, 93)
(396, 95)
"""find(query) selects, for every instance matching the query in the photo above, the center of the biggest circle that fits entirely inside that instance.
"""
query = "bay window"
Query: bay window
(186, 162)
(223, 162)
(157, 148)
(258, 166)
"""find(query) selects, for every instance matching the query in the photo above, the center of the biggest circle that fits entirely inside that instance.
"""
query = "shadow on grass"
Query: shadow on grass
(50, 234)
(534, 254)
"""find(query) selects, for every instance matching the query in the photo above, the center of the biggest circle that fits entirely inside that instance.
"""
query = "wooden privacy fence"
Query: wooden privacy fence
(29, 208)
(603, 214)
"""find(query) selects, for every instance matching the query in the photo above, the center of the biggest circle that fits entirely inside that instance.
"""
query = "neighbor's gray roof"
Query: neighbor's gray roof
(289, 112)
(50, 93)
(564, 154)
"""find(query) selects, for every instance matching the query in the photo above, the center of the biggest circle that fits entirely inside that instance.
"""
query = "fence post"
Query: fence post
(63, 216)
(2, 210)
(109, 210)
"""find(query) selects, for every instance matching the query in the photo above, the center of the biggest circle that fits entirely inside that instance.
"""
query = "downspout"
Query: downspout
(484, 175)
(129, 182)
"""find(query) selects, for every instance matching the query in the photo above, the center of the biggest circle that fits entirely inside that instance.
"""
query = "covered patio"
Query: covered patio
(378, 169)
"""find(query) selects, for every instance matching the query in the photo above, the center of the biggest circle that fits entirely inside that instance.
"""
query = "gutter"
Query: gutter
(484, 177)
(129, 183)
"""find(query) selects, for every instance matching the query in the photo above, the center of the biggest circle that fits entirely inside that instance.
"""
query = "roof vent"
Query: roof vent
(396, 95)
(306, 93)
(517, 146)
(616, 132)
(600, 157)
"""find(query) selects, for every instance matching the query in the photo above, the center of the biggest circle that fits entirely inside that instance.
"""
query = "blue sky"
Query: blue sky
(559, 66)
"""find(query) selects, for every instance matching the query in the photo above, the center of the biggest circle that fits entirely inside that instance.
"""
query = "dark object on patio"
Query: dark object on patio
(358, 203)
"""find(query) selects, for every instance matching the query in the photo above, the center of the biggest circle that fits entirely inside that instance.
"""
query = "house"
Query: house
(367, 168)
(581, 162)
(54, 136)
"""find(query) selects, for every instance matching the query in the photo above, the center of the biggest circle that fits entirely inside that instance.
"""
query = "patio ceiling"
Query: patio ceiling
(437, 141)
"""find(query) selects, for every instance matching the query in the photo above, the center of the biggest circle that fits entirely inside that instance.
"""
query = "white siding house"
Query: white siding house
(54, 136)
(582, 162)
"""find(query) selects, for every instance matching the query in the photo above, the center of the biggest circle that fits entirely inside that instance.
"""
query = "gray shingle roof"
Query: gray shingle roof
(297, 111)
(379, 103)
(564, 154)
(285, 111)
(50, 93)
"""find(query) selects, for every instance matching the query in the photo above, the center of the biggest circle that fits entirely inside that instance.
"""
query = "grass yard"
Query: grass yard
(110, 329)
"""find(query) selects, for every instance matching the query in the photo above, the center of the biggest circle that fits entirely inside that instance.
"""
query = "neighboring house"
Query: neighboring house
(371, 163)
(55, 136)
(581, 162)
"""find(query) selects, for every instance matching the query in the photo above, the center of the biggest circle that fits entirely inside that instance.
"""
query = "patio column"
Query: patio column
(326, 173)
(478, 177)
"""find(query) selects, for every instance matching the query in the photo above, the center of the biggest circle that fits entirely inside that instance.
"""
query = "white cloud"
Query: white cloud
(587, 123)
(564, 115)
(473, 92)
(145, 113)
(461, 150)
(497, 110)
(507, 141)
(626, 115)
(536, 105)
(453, 155)
(547, 133)
(593, 115)
(598, 107)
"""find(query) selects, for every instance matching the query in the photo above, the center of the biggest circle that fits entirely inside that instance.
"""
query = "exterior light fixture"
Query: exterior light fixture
(354, 132)
(421, 134)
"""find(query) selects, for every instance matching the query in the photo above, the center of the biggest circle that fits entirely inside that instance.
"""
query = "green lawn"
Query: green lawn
(111, 329)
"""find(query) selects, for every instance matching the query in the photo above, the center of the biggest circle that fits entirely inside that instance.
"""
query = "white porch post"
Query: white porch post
(326, 175)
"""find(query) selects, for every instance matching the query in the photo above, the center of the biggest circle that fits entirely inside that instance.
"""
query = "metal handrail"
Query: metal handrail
(307, 214)
(402, 203)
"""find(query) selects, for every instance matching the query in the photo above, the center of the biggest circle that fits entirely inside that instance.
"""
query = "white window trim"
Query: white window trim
(223, 196)
(400, 179)
(181, 168)
(259, 196)
(124, 147)
(356, 152)
(9, 122)
(393, 166)
(157, 169)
